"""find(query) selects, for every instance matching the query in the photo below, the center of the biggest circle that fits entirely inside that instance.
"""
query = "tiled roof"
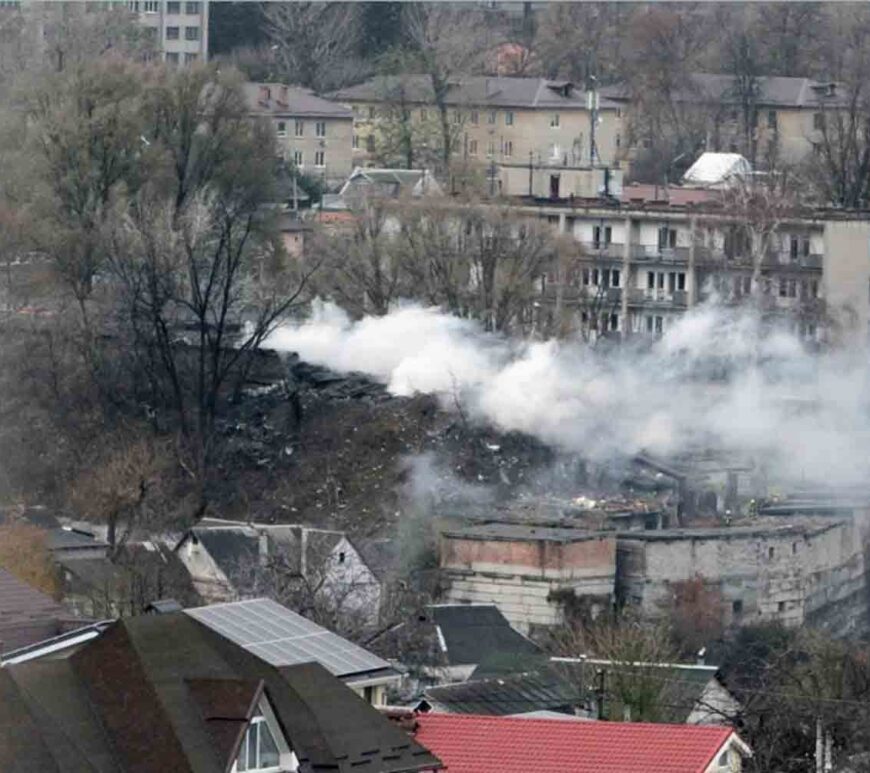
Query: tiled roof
(478, 91)
(475, 744)
(26, 614)
(292, 101)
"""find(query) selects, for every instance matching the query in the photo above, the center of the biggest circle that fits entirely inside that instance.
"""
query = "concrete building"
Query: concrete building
(527, 571)
(778, 120)
(180, 28)
(800, 571)
(549, 135)
(642, 264)
(314, 134)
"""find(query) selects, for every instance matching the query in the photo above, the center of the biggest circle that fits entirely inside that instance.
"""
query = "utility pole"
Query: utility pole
(531, 187)
(599, 694)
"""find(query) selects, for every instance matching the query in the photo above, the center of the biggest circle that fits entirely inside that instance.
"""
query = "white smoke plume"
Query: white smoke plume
(718, 379)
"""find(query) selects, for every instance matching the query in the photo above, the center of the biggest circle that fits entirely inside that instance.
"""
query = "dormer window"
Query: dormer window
(264, 749)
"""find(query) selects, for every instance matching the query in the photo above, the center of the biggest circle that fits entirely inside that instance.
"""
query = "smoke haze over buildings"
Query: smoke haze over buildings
(719, 379)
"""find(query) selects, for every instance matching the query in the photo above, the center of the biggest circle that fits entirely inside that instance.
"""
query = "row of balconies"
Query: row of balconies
(703, 254)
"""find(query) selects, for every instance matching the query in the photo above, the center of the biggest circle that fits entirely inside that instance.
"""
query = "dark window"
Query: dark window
(172, 33)
(341, 557)
(190, 58)
(770, 552)
(172, 7)
(191, 33)
(681, 282)
(650, 280)
(172, 57)
(191, 9)
(370, 144)
(737, 606)
(615, 277)
(818, 121)
(780, 607)
(771, 119)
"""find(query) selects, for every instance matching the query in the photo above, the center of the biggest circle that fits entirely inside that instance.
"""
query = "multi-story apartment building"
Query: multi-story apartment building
(769, 119)
(314, 134)
(640, 265)
(180, 28)
(531, 132)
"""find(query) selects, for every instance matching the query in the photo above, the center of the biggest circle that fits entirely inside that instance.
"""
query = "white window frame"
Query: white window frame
(554, 121)
(354, 143)
(279, 132)
(320, 129)
(299, 158)
(192, 39)
(322, 159)
(287, 760)
(151, 6)
(298, 128)
(508, 148)
(509, 118)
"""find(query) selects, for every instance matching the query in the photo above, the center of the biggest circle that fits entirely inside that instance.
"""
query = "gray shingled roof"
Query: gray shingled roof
(26, 614)
(478, 91)
(300, 102)
(474, 632)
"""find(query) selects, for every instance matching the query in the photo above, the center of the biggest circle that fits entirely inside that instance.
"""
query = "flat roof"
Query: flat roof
(516, 531)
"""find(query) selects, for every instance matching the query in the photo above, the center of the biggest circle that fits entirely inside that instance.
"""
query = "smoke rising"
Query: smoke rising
(719, 379)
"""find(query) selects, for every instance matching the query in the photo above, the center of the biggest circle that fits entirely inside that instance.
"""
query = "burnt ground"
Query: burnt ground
(335, 451)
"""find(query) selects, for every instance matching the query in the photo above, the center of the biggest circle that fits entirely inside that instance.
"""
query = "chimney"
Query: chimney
(265, 95)
(283, 96)
(263, 548)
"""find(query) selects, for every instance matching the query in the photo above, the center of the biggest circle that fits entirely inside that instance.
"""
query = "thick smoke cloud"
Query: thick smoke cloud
(719, 379)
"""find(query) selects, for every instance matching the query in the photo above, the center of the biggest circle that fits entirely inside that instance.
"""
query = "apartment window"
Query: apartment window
(659, 324)
(818, 121)
(173, 7)
(457, 116)
(618, 141)
(650, 280)
(614, 322)
(770, 552)
(281, 128)
(298, 158)
(649, 324)
(172, 33)
(355, 142)
(472, 148)
(615, 277)
(258, 750)
(299, 128)
(191, 33)
(554, 121)
(172, 57)
(771, 119)
(190, 58)
(424, 115)
(814, 289)
(667, 238)
(492, 117)
(737, 607)
(191, 9)
(584, 274)
(601, 235)
(509, 118)
(320, 128)
(681, 282)
(319, 158)
(508, 148)
(490, 149)
(371, 113)
(475, 117)
(370, 144)
(151, 6)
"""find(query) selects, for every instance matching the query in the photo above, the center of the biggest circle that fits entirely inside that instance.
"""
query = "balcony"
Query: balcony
(661, 298)
(779, 258)
(602, 250)
(653, 254)
(588, 296)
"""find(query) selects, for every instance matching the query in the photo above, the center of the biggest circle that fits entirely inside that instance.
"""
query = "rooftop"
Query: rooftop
(278, 99)
(282, 637)
(26, 614)
(474, 90)
(516, 531)
(476, 744)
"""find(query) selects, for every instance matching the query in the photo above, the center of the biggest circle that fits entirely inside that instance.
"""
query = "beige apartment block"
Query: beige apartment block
(314, 135)
(779, 122)
(496, 121)
(181, 28)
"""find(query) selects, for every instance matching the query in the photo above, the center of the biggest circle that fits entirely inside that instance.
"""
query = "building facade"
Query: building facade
(180, 28)
(497, 123)
(314, 135)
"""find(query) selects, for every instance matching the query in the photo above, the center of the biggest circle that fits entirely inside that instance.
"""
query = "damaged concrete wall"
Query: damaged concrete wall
(520, 575)
(792, 573)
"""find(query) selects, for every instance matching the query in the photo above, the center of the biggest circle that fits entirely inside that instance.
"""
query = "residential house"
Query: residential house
(283, 638)
(467, 743)
(447, 642)
(165, 693)
(313, 134)
(319, 568)
(526, 132)
(28, 615)
(180, 28)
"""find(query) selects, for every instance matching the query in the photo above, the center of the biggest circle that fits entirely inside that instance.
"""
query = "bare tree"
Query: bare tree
(314, 42)
(24, 553)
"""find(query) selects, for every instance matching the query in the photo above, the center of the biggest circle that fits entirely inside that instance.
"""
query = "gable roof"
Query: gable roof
(284, 100)
(514, 694)
(26, 614)
(474, 744)
(152, 694)
(717, 169)
(282, 637)
(471, 633)
(472, 90)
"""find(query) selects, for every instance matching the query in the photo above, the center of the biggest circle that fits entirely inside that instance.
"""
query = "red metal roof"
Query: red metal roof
(476, 744)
